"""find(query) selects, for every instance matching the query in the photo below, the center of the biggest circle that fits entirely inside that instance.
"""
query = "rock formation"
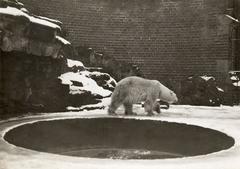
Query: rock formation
(35, 74)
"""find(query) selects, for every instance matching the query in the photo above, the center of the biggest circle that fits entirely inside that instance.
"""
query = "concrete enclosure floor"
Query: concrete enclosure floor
(224, 119)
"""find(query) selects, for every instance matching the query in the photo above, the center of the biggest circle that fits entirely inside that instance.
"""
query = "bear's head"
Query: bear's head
(167, 95)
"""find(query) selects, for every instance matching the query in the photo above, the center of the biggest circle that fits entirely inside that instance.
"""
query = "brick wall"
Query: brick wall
(173, 38)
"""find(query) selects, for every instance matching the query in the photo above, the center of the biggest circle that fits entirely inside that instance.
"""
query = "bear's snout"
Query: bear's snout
(173, 101)
(176, 100)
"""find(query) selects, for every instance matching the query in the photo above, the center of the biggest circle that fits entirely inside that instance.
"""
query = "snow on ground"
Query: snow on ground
(224, 118)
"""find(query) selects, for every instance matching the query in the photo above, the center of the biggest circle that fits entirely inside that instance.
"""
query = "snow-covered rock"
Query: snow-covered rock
(201, 90)
(62, 40)
(19, 13)
(83, 89)
(26, 32)
(104, 80)
(75, 65)
(207, 78)
(235, 78)
(88, 84)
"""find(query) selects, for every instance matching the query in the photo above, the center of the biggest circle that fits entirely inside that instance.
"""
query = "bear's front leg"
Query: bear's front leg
(128, 109)
(113, 107)
(148, 106)
(111, 112)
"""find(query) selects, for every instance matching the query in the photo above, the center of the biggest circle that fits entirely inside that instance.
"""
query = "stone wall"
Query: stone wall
(168, 38)
(29, 82)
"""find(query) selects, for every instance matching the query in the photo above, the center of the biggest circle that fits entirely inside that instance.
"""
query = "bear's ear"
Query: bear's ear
(171, 93)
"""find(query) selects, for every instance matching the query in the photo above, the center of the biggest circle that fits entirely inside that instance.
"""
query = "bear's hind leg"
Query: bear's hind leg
(156, 107)
(148, 106)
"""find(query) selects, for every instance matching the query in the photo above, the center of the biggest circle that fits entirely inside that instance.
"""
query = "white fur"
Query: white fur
(133, 90)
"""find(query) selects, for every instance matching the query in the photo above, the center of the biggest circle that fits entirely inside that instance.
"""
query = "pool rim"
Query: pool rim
(30, 120)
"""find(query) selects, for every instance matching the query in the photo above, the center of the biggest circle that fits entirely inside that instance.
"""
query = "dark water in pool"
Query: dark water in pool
(114, 153)
(118, 138)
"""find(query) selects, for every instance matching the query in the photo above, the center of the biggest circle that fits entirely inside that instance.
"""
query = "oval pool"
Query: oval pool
(118, 138)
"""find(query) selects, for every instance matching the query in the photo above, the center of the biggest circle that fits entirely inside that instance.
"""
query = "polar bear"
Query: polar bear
(131, 90)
